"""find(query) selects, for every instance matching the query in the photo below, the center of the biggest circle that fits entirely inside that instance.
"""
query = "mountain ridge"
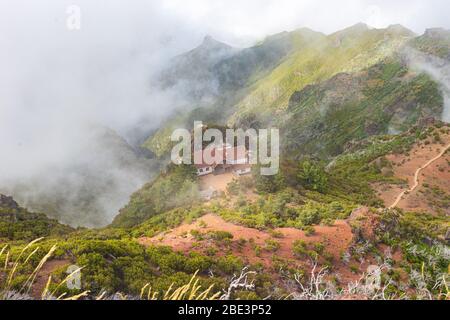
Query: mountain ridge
(357, 122)
(303, 57)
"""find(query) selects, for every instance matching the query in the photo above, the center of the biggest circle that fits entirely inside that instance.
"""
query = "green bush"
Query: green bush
(272, 245)
(312, 175)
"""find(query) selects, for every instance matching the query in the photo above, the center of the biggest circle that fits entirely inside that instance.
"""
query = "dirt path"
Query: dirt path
(44, 273)
(416, 177)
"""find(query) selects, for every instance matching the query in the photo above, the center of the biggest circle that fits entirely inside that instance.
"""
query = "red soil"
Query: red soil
(42, 277)
(336, 240)
(422, 165)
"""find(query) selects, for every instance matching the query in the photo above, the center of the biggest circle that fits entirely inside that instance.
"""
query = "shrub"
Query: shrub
(276, 234)
(272, 245)
(312, 175)
(234, 188)
(220, 235)
(299, 248)
(309, 231)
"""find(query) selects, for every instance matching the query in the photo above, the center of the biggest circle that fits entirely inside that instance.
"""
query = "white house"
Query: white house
(228, 159)
(242, 169)
(203, 170)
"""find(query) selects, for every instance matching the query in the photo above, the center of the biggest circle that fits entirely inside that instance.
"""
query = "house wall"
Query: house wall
(205, 171)
(241, 172)
(239, 161)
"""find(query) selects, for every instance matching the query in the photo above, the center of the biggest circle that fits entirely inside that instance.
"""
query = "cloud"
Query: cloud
(438, 69)
(59, 89)
(242, 22)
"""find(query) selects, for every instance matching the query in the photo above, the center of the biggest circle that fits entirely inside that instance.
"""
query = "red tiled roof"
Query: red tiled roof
(242, 166)
(225, 154)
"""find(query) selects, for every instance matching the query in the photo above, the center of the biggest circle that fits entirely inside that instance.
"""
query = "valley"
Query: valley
(363, 189)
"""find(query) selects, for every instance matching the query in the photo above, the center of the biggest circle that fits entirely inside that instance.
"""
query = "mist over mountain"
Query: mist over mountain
(430, 53)
(321, 89)
(76, 104)
(87, 190)
(92, 90)
(84, 113)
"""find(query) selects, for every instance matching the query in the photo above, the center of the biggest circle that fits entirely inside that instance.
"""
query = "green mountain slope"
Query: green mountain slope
(257, 83)
(349, 50)
(17, 223)
(344, 104)
(248, 66)
(175, 188)
(323, 92)
(382, 99)
(193, 73)
(212, 86)
(435, 42)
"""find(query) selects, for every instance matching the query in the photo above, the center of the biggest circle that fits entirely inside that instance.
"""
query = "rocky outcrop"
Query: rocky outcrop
(8, 202)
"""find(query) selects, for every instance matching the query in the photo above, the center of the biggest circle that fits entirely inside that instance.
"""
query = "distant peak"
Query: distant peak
(210, 43)
(208, 39)
(8, 202)
(398, 28)
(437, 33)
(356, 28)
(308, 31)
(360, 25)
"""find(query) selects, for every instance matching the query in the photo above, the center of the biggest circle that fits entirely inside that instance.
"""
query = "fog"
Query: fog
(61, 89)
(71, 99)
(438, 69)
(242, 21)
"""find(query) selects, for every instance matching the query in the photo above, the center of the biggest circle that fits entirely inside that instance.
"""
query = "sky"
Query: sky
(124, 43)
(56, 81)
(244, 20)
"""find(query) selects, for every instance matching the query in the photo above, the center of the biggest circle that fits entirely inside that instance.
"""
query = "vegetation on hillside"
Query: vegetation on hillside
(383, 99)
(17, 223)
(174, 188)
(324, 92)
(344, 102)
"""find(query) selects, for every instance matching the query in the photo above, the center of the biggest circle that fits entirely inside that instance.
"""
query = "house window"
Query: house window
(201, 170)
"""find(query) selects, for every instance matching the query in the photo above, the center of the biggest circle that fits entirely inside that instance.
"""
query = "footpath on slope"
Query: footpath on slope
(417, 175)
